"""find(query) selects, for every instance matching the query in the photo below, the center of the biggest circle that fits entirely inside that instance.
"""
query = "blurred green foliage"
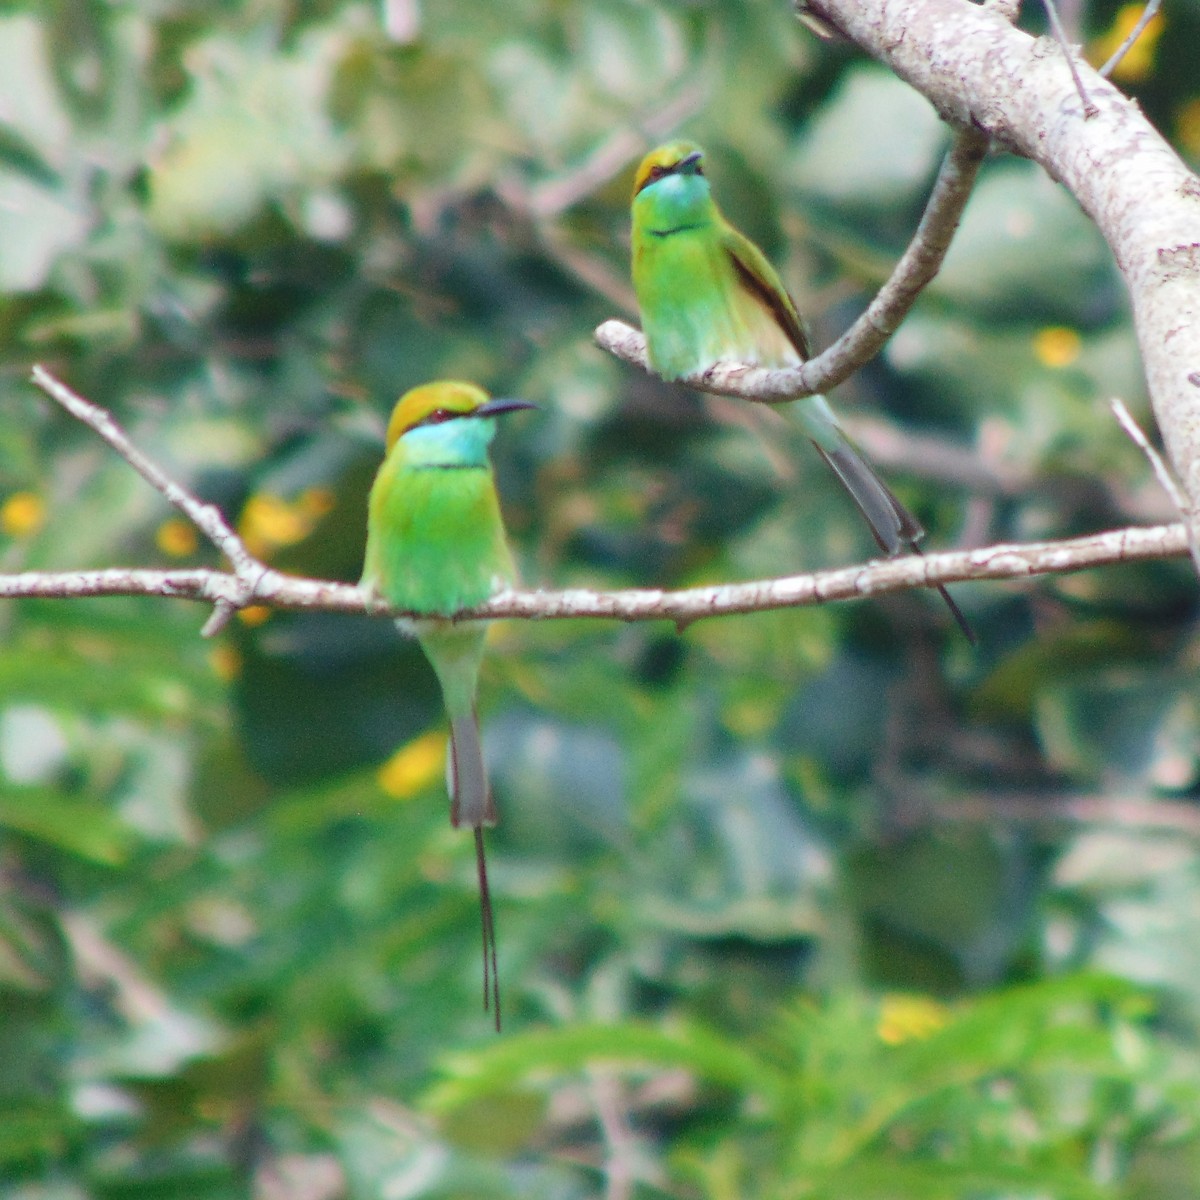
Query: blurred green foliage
(805, 904)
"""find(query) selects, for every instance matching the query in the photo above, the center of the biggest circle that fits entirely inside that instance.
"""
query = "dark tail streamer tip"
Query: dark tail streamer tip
(491, 972)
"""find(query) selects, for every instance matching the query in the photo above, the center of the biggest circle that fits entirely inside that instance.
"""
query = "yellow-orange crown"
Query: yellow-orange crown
(419, 403)
(662, 160)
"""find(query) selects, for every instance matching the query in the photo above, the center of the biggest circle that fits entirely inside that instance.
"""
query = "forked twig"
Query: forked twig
(1060, 35)
(248, 571)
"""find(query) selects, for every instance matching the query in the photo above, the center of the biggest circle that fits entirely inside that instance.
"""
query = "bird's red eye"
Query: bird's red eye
(657, 172)
(438, 416)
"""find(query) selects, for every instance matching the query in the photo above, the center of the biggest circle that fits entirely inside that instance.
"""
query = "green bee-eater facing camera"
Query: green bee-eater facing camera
(707, 294)
(435, 545)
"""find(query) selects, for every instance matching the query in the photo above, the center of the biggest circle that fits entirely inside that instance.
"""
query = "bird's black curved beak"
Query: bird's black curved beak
(499, 406)
(687, 166)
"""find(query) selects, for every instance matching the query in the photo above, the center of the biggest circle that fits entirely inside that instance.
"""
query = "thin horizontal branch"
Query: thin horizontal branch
(994, 563)
(253, 582)
(864, 339)
(1131, 812)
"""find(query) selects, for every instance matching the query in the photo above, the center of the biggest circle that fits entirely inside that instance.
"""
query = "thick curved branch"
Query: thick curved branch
(1005, 562)
(864, 339)
(977, 70)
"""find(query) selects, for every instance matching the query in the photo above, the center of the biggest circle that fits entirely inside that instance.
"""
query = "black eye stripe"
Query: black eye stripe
(657, 171)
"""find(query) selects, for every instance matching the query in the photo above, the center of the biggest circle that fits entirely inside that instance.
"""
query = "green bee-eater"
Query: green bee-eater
(435, 545)
(707, 293)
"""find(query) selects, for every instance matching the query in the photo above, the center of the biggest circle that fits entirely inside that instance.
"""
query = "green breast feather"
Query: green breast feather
(436, 543)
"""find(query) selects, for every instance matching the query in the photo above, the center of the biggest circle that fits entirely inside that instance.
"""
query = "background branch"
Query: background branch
(1134, 812)
(1148, 15)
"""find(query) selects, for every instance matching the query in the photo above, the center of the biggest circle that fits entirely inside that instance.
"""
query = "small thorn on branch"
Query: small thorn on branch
(221, 615)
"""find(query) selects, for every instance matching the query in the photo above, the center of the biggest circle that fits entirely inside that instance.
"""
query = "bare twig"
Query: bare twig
(248, 571)
(542, 203)
(99, 962)
(620, 1144)
(552, 197)
(1148, 15)
(1123, 812)
(994, 563)
(866, 337)
(1060, 35)
(918, 265)
(1161, 471)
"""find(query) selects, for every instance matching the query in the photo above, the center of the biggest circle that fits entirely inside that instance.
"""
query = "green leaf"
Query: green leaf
(715, 1060)
(82, 828)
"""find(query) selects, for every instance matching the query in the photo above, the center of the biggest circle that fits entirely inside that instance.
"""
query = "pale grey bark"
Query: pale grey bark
(978, 70)
(1004, 562)
(994, 82)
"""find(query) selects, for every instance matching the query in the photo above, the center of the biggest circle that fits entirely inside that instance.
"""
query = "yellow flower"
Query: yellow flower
(270, 522)
(414, 766)
(177, 538)
(226, 662)
(316, 501)
(1187, 127)
(1139, 58)
(22, 514)
(905, 1018)
(254, 614)
(1057, 346)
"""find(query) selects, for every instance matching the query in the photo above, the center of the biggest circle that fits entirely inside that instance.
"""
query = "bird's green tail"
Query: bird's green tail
(894, 528)
(892, 525)
(455, 652)
(466, 776)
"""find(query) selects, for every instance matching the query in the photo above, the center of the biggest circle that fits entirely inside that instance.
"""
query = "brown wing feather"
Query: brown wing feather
(761, 281)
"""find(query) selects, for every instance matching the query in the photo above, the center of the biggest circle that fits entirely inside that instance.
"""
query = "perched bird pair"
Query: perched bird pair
(435, 541)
